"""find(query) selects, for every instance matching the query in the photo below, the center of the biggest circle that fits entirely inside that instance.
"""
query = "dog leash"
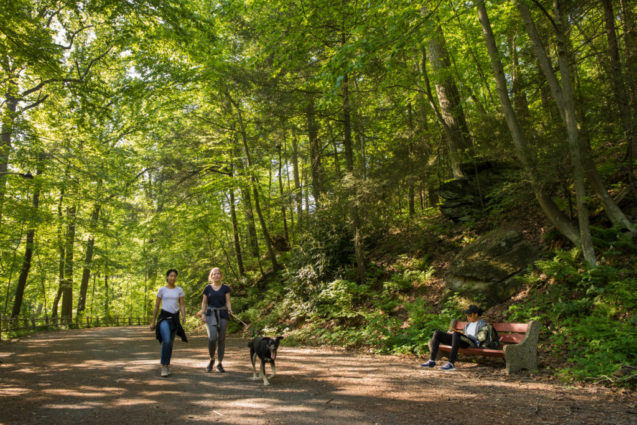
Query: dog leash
(242, 322)
(245, 325)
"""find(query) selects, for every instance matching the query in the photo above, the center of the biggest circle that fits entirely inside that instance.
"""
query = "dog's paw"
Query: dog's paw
(266, 383)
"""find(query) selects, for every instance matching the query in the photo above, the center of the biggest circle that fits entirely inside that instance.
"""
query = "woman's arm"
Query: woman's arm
(204, 304)
(228, 303)
(182, 307)
(152, 324)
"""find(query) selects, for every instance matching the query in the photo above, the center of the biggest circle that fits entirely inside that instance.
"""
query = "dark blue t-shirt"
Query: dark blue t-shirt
(217, 299)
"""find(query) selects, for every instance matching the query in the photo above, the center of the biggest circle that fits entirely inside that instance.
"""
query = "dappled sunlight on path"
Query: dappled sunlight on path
(111, 376)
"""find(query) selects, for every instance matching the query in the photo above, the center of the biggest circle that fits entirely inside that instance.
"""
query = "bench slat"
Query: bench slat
(501, 327)
(511, 327)
(511, 338)
(487, 352)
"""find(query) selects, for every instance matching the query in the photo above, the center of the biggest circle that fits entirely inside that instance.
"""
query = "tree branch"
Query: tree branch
(82, 76)
(73, 35)
(45, 82)
(39, 100)
(548, 15)
(94, 61)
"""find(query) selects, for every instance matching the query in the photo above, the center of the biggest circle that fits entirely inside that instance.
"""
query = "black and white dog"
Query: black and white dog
(265, 349)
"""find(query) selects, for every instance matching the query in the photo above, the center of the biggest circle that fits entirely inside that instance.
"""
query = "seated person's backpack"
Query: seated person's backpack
(491, 338)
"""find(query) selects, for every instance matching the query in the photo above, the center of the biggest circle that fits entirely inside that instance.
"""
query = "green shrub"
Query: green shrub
(588, 315)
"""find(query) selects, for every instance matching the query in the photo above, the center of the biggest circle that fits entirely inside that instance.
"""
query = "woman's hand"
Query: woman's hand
(152, 326)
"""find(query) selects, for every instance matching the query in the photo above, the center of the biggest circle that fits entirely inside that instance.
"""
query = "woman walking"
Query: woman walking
(215, 311)
(171, 298)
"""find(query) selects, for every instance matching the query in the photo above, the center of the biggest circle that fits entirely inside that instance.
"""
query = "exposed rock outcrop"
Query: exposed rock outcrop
(486, 268)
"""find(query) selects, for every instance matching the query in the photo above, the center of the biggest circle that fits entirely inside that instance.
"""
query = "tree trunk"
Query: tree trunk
(6, 132)
(520, 103)
(349, 161)
(298, 190)
(630, 36)
(56, 301)
(568, 105)
(451, 110)
(88, 259)
(347, 126)
(620, 88)
(43, 279)
(410, 181)
(67, 287)
(235, 233)
(432, 195)
(315, 153)
(306, 192)
(264, 227)
(564, 96)
(253, 181)
(359, 132)
(107, 301)
(60, 246)
(614, 213)
(28, 253)
(253, 242)
(282, 195)
(616, 74)
(337, 163)
(246, 199)
(559, 220)
(456, 170)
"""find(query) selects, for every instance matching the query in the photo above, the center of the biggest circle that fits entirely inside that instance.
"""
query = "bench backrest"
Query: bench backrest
(509, 333)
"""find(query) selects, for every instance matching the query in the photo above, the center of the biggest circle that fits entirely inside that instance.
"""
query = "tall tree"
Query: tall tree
(564, 95)
(451, 110)
(88, 258)
(253, 182)
(551, 210)
(28, 252)
(66, 286)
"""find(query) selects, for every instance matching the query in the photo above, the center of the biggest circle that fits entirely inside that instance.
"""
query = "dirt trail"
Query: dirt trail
(111, 376)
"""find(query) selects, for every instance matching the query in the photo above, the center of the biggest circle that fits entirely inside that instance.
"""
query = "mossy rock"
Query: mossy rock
(464, 199)
(487, 267)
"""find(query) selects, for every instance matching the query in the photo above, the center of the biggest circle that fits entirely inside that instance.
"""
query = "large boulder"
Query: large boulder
(464, 199)
(485, 269)
(460, 200)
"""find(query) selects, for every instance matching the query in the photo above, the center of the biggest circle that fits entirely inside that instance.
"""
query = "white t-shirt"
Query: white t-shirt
(471, 328)
(170, 298)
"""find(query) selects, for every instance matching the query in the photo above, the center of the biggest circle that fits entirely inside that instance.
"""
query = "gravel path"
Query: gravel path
(111, 376)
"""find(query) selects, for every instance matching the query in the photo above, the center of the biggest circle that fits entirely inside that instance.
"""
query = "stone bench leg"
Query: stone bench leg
(523, 355)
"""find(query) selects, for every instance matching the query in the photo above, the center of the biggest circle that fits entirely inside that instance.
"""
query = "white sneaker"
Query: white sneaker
(165, 371)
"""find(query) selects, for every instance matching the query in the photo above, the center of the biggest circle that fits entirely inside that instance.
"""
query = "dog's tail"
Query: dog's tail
(250, 344)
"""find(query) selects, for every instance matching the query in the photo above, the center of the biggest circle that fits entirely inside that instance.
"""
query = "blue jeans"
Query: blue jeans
(167, 342)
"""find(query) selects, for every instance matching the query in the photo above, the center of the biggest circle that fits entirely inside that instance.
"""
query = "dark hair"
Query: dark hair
(170, 271)
(474, 309)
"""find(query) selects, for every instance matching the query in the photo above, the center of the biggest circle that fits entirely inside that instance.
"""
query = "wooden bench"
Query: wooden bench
(519, 344)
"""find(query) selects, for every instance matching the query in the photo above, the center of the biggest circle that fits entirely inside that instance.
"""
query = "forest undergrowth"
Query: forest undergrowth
(587, 314)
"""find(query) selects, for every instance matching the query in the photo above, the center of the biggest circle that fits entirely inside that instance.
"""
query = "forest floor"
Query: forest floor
(111, 376)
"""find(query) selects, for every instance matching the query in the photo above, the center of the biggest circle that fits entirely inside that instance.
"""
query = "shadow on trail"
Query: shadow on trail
(111, 376)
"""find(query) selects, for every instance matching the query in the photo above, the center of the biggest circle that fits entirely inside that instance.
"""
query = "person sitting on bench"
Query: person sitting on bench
(457, 339)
